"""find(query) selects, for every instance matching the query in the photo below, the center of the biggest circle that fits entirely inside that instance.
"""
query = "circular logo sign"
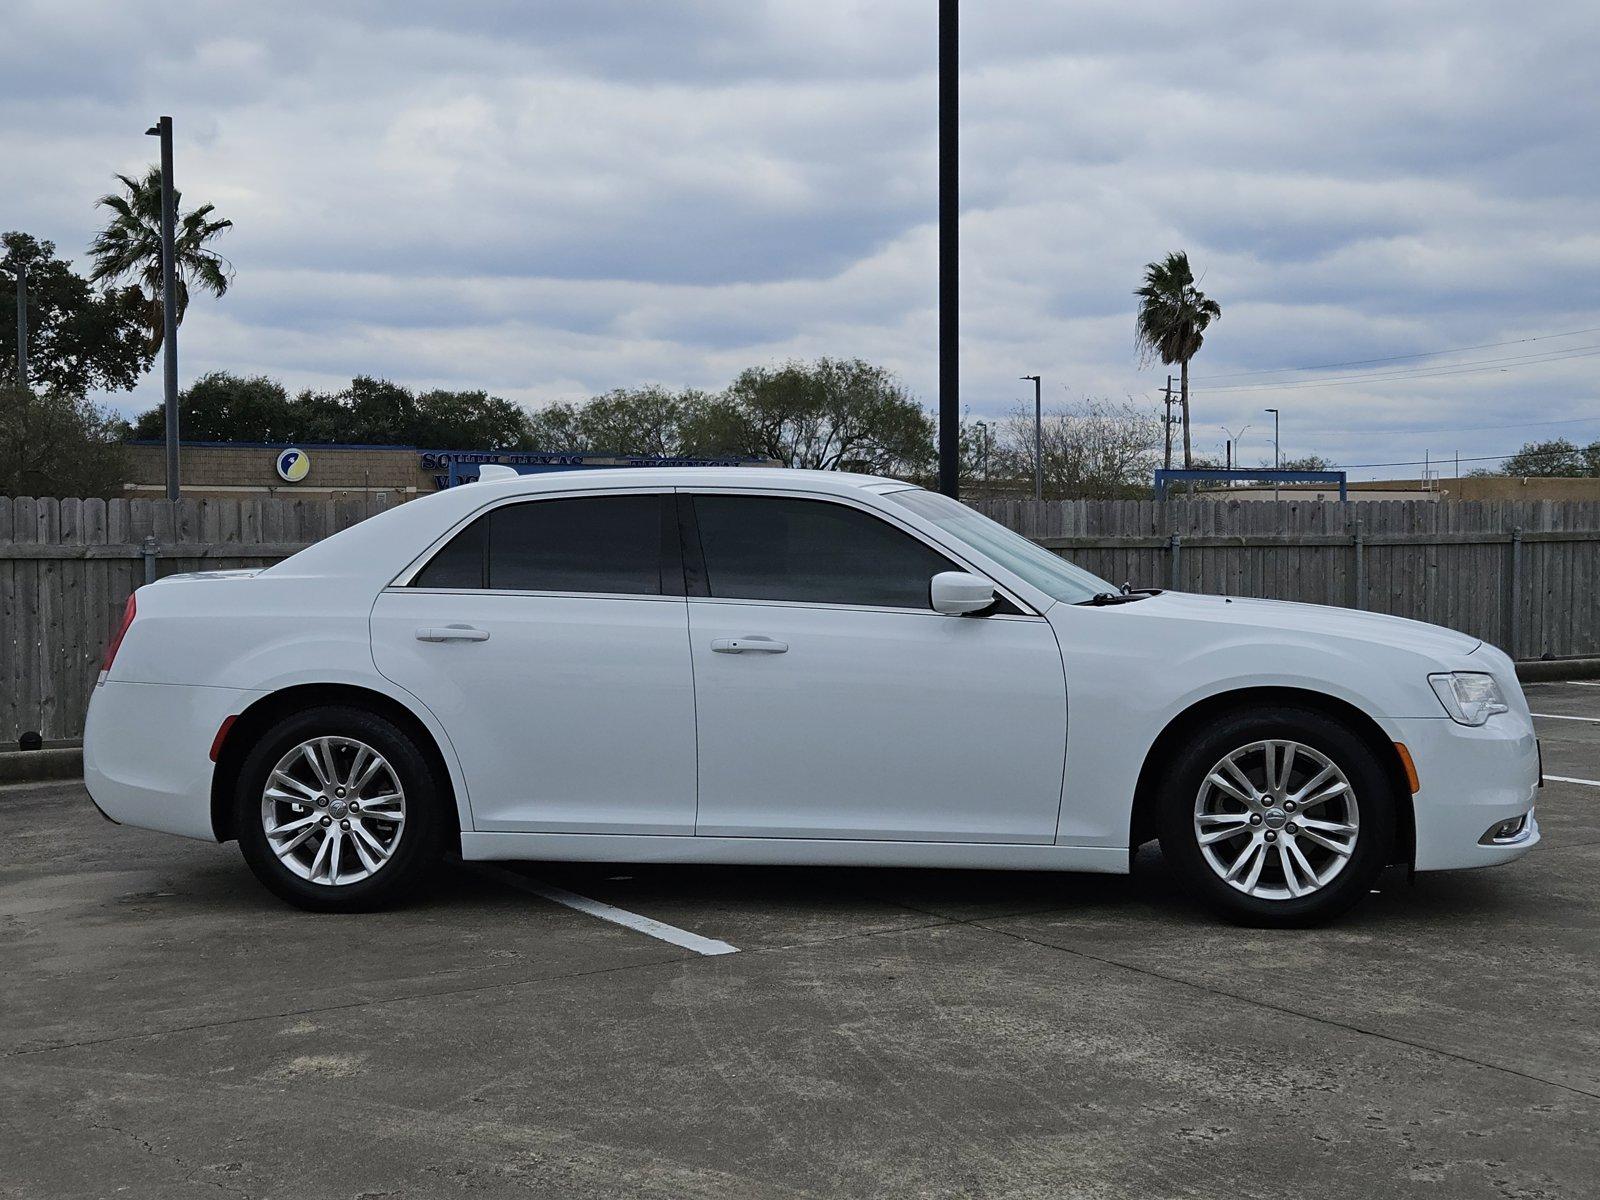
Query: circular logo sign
(293, 465)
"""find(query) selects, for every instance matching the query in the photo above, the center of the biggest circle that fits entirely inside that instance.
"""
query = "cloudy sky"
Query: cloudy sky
(549, 199)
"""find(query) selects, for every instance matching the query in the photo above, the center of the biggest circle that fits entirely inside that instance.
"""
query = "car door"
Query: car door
(550, 638)
(834, 702)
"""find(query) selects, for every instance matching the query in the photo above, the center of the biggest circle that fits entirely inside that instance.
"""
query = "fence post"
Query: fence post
(1175, 545)
(1515, 635)
(1360, 600)
(148, 549)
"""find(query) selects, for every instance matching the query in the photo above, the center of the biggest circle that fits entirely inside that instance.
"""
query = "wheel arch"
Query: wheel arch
(273, 707)
(1143, 820)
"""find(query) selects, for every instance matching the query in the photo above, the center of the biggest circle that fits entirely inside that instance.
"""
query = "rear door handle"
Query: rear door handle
(749, 645)
(451, 633)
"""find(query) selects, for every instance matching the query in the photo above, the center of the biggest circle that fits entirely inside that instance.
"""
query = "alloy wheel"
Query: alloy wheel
(1276, 819)
(333, 810)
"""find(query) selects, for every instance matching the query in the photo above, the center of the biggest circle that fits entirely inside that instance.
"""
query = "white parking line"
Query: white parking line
(1560, 717)
(609, 912)
(1568, 779)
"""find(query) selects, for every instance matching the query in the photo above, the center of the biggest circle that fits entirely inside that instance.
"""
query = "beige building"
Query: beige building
(387, 474)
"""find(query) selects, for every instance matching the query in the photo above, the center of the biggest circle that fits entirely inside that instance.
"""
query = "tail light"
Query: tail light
(115, 643)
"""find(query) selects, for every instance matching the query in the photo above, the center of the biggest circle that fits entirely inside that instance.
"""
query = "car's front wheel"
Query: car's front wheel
(338, 810)
(1278, 816)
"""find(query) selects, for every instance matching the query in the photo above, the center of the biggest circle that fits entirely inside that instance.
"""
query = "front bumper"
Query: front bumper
(147, 753)
(1470, 781)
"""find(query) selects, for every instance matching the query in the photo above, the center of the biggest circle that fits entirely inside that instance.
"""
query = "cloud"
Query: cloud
(550, 199)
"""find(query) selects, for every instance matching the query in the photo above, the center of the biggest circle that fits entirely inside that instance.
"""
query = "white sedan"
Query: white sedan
(767, 666)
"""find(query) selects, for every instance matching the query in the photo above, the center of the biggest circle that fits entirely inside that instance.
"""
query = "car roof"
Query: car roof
(380, 546)
(746, 477)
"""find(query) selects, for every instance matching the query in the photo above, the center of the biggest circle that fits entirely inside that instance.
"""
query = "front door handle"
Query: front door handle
(749, 645)
(451, 633)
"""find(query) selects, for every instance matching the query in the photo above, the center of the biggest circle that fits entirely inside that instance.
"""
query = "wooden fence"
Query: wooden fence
(67, 566)
(1525, 576)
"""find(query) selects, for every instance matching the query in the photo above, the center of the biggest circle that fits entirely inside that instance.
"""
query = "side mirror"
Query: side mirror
(957, 593)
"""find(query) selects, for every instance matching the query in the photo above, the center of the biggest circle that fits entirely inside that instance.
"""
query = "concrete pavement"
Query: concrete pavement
(169, 1030)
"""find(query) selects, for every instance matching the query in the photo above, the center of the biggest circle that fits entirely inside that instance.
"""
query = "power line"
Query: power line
(1363, 362)
(1479, 366)
(1419, 462)
(1389, 432)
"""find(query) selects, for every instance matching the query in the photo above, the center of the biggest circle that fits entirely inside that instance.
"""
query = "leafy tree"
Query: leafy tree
(556, 427)
(129, 247)
(1553, 458)
(466, 420)
(56, 444)
(1171, 322)
(232, 408)
(646, 420)
(382, 412)
(832, 414)
(79, 339)
(220, 407)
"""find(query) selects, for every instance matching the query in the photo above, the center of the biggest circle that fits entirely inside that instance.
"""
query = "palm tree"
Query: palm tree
(129, 247)
(1172, 318)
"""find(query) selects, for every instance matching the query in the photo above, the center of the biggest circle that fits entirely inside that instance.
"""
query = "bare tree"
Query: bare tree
(1097, 449)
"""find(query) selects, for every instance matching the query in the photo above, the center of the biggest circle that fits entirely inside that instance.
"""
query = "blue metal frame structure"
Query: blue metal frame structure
(1265, 475)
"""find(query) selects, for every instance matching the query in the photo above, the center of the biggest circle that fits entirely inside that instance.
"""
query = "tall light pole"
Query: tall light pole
(22, 323)
(949, 361)
(983, 450)
(169, 301)
(1038, 439)
(1277, 457)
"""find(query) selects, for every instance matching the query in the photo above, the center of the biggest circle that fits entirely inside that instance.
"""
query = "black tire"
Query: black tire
(419, 843)
(1372, 785)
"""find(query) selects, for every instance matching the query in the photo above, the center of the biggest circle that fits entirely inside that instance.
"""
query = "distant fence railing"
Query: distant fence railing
(1525, 576)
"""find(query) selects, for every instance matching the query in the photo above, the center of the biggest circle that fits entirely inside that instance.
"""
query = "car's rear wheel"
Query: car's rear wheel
(1278, 816)
(338, 811)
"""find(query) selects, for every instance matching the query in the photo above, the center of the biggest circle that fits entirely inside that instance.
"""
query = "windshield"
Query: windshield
(1048, 572)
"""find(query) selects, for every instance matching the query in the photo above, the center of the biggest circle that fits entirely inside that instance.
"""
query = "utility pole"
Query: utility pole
(169, 301)
(22, 323)
(983, 454)
(949, 216)
(1038, 439)
(1277, 457)
(1166, 424)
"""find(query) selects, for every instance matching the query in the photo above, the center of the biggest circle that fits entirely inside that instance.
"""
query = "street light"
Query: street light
(169, 301)
(983, 444)
(1038, 440)
(1277, 458)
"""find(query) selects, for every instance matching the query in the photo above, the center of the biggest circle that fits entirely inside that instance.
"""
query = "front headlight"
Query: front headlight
(1470, 697)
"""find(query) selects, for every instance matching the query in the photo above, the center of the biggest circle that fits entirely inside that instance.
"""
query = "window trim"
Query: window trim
(403, 580)
(1026, 611)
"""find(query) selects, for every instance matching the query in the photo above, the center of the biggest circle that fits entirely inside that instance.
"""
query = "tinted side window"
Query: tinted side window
(775, 548)
(462, 563)
(586, 544)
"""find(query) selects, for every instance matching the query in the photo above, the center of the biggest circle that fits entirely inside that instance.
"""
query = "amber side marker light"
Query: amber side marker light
(1411, 767)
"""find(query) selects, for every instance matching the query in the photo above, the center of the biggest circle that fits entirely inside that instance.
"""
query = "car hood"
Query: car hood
(1318, 619)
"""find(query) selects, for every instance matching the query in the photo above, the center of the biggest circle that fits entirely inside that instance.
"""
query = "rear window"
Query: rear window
(605, 544)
